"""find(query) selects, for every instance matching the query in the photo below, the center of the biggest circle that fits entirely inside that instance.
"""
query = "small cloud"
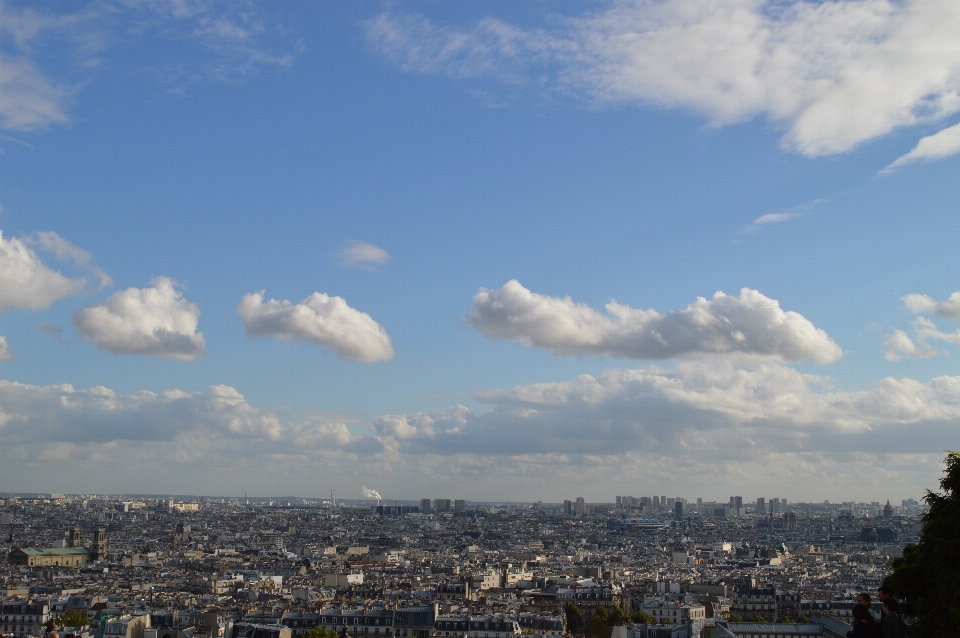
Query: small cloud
(938, 146)
(924, 304)
(320, 319)
(156, 321)
(360, 254)
(6, 354)
(52, 330)
(769, 218)
(900, 345)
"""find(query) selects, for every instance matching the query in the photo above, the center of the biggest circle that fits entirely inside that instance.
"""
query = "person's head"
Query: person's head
(861, 613)
(863, 598)
(890, 604)
(885, 591)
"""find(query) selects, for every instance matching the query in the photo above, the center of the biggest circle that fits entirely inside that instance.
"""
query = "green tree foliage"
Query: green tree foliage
(74, 618)
(574, 618)
(803, 619)
(735, 618)
(927, 577)
(643, 617)
(616, 616)
(756, 619)
(786, 619)
(320, 632)
(598, 627)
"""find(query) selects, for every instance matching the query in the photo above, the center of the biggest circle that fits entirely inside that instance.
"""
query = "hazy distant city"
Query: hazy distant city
(177, 567)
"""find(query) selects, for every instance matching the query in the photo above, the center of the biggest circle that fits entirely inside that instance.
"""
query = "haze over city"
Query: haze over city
(487, 251)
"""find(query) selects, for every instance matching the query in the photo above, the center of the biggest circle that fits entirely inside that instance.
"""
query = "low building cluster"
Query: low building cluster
(653, 567)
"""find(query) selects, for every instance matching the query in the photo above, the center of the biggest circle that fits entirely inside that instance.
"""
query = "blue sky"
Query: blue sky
(441, 200)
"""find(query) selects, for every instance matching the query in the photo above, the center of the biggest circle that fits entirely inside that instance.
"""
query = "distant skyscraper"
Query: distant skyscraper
(678, 510)
(663, 502)
(425, 505)
(459, 505)
(568, 507)
(761, 505)
(738, 502)
(441, 505)
(580, 507)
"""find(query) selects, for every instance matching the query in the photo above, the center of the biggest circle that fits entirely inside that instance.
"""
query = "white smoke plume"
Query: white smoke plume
(368, 493)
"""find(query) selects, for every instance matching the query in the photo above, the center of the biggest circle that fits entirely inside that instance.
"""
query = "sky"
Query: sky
(492, 251)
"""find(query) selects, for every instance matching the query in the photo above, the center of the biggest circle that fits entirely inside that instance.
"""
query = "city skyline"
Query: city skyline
(506, 251)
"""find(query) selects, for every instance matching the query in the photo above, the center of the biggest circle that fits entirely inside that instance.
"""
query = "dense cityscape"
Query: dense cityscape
(178, 567)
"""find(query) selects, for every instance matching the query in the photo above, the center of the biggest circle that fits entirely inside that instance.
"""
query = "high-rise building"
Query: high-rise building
(738, 502)
(580, 507)
(619, 502)
(678, 510)
(761, 505)
(775, 505)
(459, 505)
(663, 502)
(425, 505)
(568, 507)
(441, 505)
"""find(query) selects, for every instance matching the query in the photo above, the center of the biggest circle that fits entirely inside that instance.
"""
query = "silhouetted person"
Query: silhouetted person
(891, 625)
(864, 625)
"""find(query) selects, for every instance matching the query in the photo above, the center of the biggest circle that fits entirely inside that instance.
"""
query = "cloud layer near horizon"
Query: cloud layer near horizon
(749, 325)
(769, 419)
(320, 319)
(833, 75)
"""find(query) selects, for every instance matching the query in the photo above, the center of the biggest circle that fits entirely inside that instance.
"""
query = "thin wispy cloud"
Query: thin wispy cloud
(940, 145)
(36, 94)
(362, 255)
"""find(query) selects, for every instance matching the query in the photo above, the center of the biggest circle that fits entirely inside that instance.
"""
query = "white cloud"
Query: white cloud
(358, 254)
(833, 74)
(320, 319)
(156, 320)
(26, 283)
(6, 354)
(766, 424)
(932, 147)
(50, 55)
(220, 417)
(750, 325)
(921, 304)
(696, 408)
(900, 345)
(28, 101)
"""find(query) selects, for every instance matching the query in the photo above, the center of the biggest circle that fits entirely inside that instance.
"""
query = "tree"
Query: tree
(735, 618)
(616, 616)
(643, 617)
(927, 576)
(598, 627)
(786, 619)
(320, 632)
(74, 618)
(574, 618)
(803, 619)
(756, 619)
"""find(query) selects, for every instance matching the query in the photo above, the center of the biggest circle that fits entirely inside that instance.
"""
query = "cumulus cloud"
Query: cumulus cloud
(156, 320)
(359, 254)
(932, 147)
(924, 304)
(26, 283)
(751, 325)
(5, 353)
(320, 319)
(833, 75)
